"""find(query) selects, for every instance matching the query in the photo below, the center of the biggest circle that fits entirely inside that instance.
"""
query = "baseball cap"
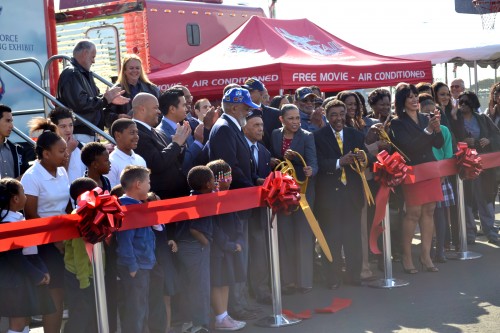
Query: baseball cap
(304, 92)
(253, 84)
(239, 96)
(254, 113)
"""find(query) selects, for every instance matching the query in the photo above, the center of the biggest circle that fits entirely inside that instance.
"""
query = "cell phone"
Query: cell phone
(432, 114)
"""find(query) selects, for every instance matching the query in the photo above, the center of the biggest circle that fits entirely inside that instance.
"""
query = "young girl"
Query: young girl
(23, 275)
(47, 191)
(226, 261)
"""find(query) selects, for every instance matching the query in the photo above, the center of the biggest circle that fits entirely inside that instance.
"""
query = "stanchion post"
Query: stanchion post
(277, 319)
(463, 253)
(388, 281)
(100, 289)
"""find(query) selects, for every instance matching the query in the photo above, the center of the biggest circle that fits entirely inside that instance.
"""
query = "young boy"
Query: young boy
(126, 135)
(135, 255)
(63, 119)
(78, 276)
(193, 239)
(95, 156)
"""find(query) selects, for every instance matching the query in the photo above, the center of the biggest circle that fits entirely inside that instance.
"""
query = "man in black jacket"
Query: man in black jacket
(162, 155)
(12, 160)
(77, 90)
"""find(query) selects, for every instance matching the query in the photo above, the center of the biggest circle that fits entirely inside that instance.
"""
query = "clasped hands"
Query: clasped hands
(351, 157)
(290, 155)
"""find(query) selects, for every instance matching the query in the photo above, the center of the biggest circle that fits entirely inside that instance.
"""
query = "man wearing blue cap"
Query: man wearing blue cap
(305, 99)
(270, 116)
(227, 142)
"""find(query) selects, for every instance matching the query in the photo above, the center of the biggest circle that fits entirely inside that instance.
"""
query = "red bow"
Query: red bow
(283, 193)
(468, 162)
(101, 215)
(390, 170)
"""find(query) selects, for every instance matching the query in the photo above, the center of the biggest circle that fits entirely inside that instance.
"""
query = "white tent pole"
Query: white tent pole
(446, 73)
(475, 76)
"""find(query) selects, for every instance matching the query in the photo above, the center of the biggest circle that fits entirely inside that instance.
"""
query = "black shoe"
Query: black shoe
(494, 241)
(471, 241)
(243, 315)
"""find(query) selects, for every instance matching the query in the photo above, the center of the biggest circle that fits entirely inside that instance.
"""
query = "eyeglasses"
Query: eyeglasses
(456, 86)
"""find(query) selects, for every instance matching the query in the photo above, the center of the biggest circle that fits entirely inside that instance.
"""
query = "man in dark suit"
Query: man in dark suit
(160, 153)
(258, 263)
(270, 116)
(173, 106)
(339, 194)
(227, 142)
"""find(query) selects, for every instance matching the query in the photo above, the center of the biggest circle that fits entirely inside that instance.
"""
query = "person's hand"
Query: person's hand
(238, 248)
(360, 156)
(71, 144)
(182, 132)
(317, 118)
(434, 122)
(45, 280)
(260, 181)
(211, 117)
(483, 142)
(347, 159)
(382, 145)
(470, 142)
(59, 246)
(109, 147)
(198, 133)
(289, 154)
(308, 171)
(133, 274)
(373, 133)
(114, 96)
(274, 162)
(124, 115)
(173, 245)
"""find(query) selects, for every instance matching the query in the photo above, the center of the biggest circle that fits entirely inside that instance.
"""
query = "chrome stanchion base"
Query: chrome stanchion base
(463, 255)
(276, 321)
(388, 283)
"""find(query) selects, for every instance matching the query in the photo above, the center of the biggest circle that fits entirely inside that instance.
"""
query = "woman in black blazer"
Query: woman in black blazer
(416, 134)
(296, 240)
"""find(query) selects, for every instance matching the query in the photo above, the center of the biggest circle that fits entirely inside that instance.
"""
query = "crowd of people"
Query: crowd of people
(201, 272)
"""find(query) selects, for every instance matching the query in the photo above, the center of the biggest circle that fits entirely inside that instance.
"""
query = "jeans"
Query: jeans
(133, 303)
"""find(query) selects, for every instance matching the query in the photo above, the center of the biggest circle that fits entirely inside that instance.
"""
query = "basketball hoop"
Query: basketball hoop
(488, 10)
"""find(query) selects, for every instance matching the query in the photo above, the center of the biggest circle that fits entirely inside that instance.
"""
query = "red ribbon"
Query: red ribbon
(306, 314)
(390, 171)
(282, 193)
(468, 162)
(337, 305)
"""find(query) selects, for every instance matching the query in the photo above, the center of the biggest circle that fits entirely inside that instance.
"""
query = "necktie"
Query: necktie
(343, 177)
(253, 149)
(158, 136)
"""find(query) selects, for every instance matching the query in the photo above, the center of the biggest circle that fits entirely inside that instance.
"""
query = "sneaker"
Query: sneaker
(229, 324)
(186, 327)
(198, 329)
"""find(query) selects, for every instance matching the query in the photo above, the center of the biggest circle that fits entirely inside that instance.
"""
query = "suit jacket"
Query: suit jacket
(162, 158)
(227, 142)
(271, 119)
(191, 151)
(412, 140)
(328, 184)
(263, 165)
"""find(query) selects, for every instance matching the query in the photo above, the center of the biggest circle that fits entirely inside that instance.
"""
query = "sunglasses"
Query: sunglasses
(463, 101)
(456, 86)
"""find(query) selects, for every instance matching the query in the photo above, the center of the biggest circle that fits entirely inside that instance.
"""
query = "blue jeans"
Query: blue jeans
(133, 300)
(486, 213)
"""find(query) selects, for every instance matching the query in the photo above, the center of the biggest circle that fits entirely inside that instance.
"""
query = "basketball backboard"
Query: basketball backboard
(467, 6)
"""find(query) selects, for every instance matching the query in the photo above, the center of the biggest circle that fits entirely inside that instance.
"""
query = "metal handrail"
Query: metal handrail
(55, 101)
(24, 136)
(27, 112)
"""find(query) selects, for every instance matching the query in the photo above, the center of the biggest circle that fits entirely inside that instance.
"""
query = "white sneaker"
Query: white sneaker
(229, 324)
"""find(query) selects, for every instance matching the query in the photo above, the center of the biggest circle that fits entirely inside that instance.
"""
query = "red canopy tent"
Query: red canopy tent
(287, 54)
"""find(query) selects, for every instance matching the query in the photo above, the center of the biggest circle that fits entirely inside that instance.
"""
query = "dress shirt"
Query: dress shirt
(119, 160)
